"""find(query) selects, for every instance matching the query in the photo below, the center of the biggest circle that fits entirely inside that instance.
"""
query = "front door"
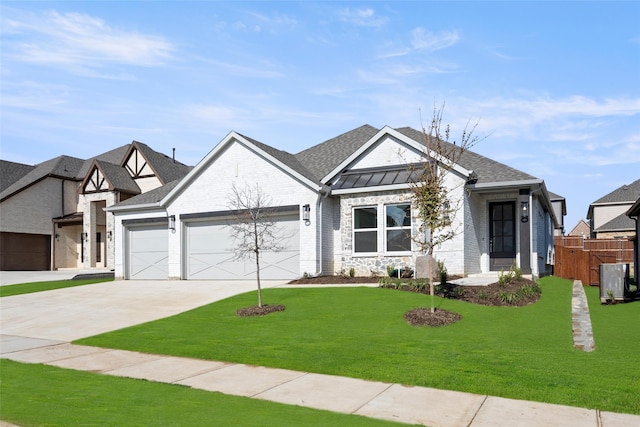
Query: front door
(502, 239)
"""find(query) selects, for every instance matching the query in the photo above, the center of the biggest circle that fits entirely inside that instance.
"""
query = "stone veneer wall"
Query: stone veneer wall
(374, 264)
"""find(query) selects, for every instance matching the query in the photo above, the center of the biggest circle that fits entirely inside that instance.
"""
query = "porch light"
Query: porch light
(84, 237)
(524, 214)
(306, 214)
(110, 234)
(172, 223)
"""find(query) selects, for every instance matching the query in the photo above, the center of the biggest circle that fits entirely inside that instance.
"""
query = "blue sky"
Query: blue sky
(555, 86)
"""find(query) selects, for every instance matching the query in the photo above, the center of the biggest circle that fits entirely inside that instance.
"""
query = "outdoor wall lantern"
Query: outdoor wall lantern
(84, 236)
(57, 237)
(110, 234)
(524, 214)
(172, 223)
(306, 214)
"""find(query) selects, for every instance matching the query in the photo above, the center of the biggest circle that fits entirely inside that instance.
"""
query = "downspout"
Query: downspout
(319, 211)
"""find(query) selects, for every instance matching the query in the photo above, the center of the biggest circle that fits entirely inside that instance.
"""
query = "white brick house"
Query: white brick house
(344, 203)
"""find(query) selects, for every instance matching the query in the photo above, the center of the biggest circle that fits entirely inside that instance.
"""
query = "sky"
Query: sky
(554, 87)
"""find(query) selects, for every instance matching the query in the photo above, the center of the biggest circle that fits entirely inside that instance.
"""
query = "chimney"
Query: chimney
(174, 155)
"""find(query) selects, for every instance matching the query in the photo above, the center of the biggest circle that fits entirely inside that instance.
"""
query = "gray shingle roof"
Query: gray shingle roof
(619, 223)
(283, 156)
(153, 196)
(164, 166)
(487, 170)
(112, 156)
(118, 177)
(19, 176)
(64, 167)
(625, 194)
(326, 156)
(10, 172)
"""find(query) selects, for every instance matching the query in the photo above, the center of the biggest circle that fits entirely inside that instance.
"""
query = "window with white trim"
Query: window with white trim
(398, 227)
(365, 230)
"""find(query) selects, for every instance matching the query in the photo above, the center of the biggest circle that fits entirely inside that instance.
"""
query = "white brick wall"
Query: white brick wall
(241, 166)
(387, 152)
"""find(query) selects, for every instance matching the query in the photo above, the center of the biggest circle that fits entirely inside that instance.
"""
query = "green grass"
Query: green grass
(522, 353)
(61, 397)
(27, 288)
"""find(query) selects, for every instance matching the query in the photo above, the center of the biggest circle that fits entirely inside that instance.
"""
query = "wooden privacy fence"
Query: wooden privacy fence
(577, 258)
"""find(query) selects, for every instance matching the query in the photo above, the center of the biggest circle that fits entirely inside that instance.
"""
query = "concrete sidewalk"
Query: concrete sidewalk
(395, 402)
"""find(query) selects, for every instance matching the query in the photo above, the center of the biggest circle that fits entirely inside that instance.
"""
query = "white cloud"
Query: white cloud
(79, 42)
(427, 41)
(362, 17)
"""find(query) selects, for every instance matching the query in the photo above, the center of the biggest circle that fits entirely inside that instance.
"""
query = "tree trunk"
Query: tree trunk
(257, 252)
(432, 288)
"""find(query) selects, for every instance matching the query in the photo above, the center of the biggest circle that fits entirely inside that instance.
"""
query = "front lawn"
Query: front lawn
(516, 352)
(62, 397)
(27, 288)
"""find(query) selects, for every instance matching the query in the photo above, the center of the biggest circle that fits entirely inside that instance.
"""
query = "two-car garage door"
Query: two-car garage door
(209, 252)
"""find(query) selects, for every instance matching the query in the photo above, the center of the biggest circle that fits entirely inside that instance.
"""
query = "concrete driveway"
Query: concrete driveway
(82, 311)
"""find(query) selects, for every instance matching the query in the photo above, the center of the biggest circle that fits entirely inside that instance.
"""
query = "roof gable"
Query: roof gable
(104, 176)
(416, 145)
(281, 159)
(142, 161)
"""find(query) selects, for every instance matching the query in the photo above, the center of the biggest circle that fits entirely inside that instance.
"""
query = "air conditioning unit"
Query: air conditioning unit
(614, 282)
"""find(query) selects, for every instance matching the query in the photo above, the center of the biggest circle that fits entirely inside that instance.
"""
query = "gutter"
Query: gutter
(140, 207)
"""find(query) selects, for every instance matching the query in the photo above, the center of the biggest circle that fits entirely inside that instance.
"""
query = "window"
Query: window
(398, 223)
(365, 230)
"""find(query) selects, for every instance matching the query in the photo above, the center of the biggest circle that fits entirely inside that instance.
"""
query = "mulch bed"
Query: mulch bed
(424, 317)
(259, 311)
(334, 280)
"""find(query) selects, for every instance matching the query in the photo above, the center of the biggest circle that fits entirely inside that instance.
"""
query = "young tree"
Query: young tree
(254, 228)
(430, 193)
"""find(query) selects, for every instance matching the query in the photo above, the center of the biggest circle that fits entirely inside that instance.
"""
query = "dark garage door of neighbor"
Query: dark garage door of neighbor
(21, 251)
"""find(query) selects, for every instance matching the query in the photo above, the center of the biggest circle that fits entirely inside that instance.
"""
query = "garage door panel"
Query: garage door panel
(210, 253)
(148, 256)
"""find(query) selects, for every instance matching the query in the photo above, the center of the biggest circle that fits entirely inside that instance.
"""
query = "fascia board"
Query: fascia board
(371, 189)
(504, 185)
(140, 207)
(387, 130)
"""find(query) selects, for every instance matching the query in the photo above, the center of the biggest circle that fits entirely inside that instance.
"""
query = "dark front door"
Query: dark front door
(502, 239)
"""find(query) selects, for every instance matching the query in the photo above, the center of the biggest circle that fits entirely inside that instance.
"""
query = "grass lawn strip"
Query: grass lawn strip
(27, 288)
(514, 352)
(62, 397)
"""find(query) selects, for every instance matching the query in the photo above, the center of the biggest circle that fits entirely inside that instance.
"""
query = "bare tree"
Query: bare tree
(254, 228)
(430, 192)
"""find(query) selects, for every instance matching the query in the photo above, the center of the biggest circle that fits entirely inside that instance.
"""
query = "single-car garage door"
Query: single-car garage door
(21, 251)
(148, 256)
(210, 252)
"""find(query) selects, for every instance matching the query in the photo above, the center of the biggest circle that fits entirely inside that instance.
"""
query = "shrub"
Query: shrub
(442, 272)
(509, 297)
(352, 272)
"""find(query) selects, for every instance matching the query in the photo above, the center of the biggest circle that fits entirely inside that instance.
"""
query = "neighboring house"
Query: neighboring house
(345, 203)
(581, 229)
(634, 214)
(607, 215)
(52, 214)
(559, 204)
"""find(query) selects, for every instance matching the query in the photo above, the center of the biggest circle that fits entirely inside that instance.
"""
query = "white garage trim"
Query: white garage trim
(209, 251)
(147, 251)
